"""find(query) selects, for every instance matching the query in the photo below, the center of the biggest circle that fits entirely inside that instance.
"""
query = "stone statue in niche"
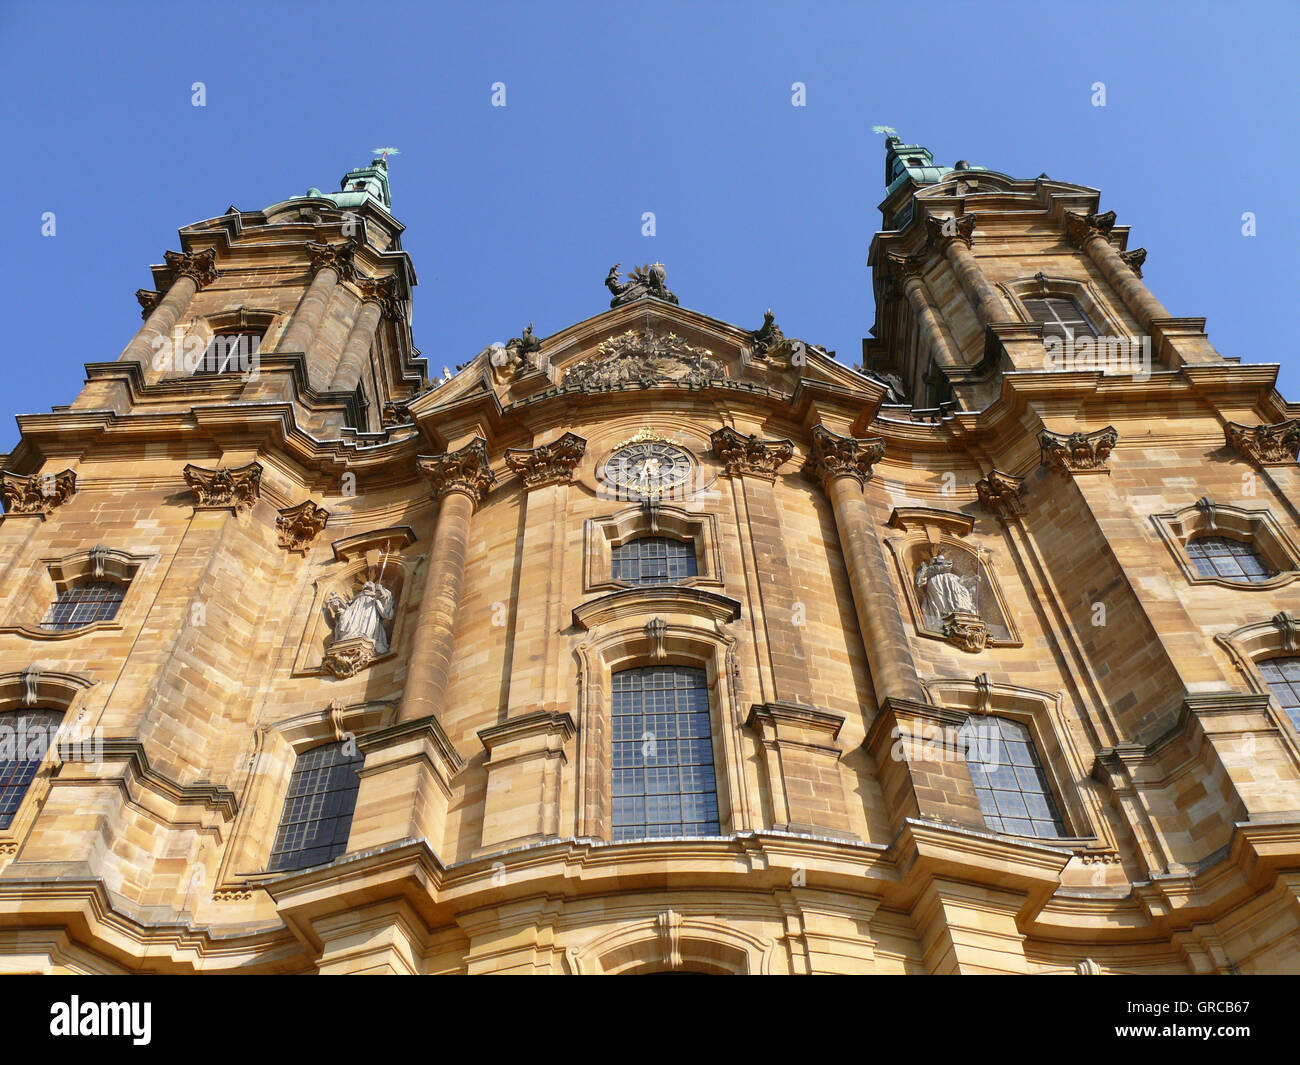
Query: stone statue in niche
(359, 632)
(950, 602)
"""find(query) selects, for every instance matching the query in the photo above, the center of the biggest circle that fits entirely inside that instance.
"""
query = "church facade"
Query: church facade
(658, 643)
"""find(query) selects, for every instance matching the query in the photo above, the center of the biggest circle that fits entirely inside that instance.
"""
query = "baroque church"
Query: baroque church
(661, 643)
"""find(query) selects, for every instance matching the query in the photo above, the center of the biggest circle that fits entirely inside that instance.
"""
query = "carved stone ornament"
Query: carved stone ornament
(337, 257)
(841, 456)
(669, 926)
(643, 282)
(959, 227)
(200, 266)
(1000, 492)
(767, 340)
(515, 357)
(1077, 452)
(299, 526)
(749, 454)
(396, 413)
(965, 630)
(1288, 625)
(238, 488)
(645, 359)
(1134, 259)
(466, 470)
(906, 267)
(347, 658)
(384, 292)
(551, 463)
(1266, 443)
(31, 682)
(148, 300)
(1079, 227)
(37, 494)
(656, 629)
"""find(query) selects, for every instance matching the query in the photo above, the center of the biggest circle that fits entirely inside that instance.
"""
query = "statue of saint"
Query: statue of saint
(944, 591)
(363, 616)
(642, 282)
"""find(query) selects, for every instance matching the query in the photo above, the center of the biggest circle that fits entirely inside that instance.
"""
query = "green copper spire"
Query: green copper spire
(912, 160)
(365, 182)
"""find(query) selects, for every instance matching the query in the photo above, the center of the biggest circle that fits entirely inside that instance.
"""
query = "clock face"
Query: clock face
(648, 469)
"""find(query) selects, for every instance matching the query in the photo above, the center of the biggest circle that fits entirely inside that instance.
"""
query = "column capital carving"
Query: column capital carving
(225, 488)
(551, 463)
(1266, 444)
(941, 231)
(749, 454)
(37, 494)
(1077, 452)
(835, 456)
(384, 292)
(1134, 259)
(1000, 493)
(200, 266)
(466, 470)
(299, 526)
(905, 267)
(1079, 227)
(337, 257)
(148, 300)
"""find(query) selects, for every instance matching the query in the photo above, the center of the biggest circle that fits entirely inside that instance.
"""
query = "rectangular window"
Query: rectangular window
(318, 810)
(663, 775)
(230, 353)
(1060, 318)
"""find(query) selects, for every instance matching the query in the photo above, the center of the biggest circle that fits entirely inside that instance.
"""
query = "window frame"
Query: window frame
(601, 535)
(337, 846)
(1258, 528)
(687, 555)
(77, 595)
(1055, 805)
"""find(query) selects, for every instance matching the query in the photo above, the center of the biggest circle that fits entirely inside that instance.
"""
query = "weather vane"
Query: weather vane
(888, 131)
(384, 153)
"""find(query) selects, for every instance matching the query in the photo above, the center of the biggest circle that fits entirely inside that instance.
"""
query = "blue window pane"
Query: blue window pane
(25, 736)
(1221, 556)
(664, 781)
(1283, 678)
(654, 560)
(84, 604)
(1009, 781)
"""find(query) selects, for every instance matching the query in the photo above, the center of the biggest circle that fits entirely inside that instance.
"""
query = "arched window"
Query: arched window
(318, 809)
(83, 604)
(1060, 317)
(1222, 556)
(1282, 675)
(654, 560)
(1009, 780)
(25, 736)
(663, 775)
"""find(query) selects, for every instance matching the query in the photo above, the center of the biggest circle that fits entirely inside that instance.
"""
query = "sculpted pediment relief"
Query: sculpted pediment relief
(645, 357)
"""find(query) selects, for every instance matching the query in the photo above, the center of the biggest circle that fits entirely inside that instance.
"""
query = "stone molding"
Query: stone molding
(38, 494)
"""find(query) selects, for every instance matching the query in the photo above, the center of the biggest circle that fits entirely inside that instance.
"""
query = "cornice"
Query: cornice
(696, 602)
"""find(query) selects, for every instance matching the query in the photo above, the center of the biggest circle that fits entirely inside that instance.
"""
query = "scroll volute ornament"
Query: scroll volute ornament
(1278, 443)
(741, 454)
(148, 300)
(551, 463)
(466, 470)
(841, 456)
(239, 488)
(1000, 492)
(38, 494)
(298, 526)
(199, 266)
(1077, 452)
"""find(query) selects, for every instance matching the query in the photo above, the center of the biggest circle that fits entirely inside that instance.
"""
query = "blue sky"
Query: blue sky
(514, 214)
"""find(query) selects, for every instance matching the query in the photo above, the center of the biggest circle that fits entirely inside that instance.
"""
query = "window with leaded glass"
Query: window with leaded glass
(318, 809)
(25, 736)
(1282, 675)
(1222, 556)
(83, 604)
(663, 774)
(1060, 318)
(654, 560)
(1010, 784)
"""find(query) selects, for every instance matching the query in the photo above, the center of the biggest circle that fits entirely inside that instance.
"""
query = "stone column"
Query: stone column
(460, 480)
(330, 263)
(190, 272)
(953, 237)
(934, 338)
(842, 465)
(378, 301)
(1091, 232)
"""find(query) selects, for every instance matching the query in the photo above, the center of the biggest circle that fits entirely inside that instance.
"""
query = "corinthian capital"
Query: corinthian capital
(466, 470)
(1000, 492)
(906, 267)
(942, 230)
(1079, 227)
(1266, 444)
(748, 454)
(238, 488)
(200, 266)
(383, 291)
(1134, 259)
(38, 494)
(551, 463)
(1078, 452)
(835, 456)
(336, 257)
(148, 300)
